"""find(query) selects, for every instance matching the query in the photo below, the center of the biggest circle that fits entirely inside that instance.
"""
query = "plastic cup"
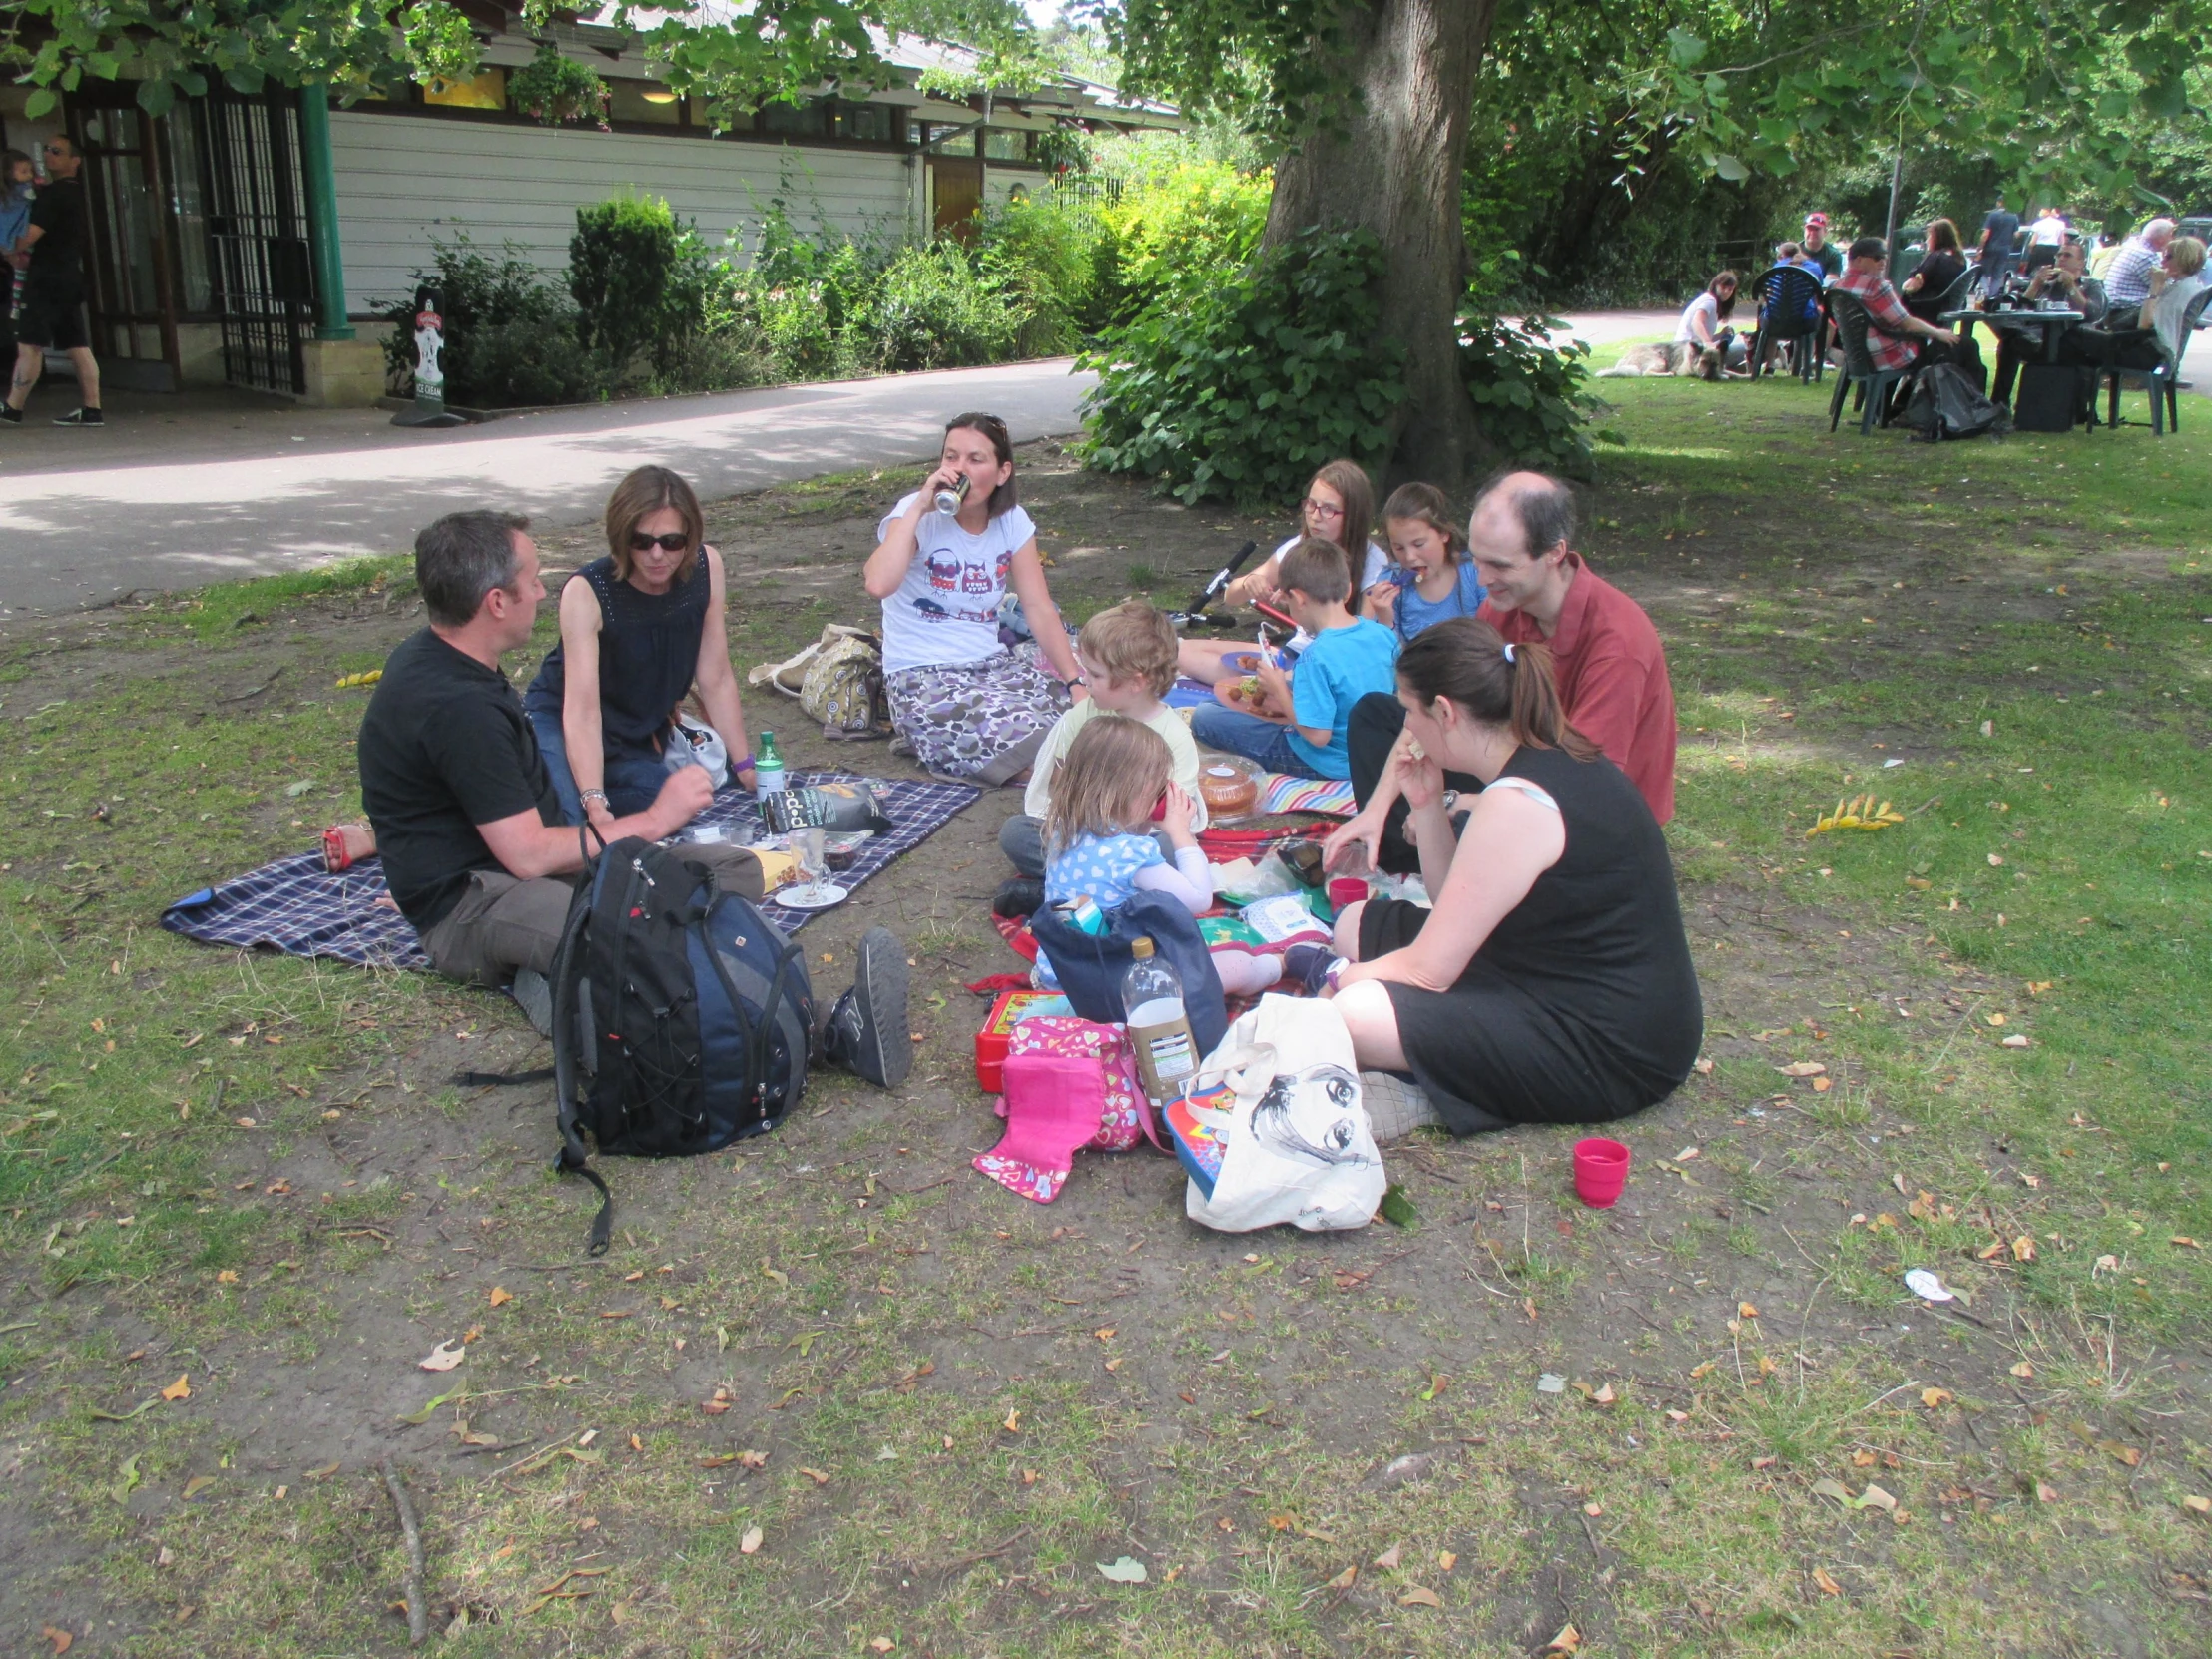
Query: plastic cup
(1346, 889)
(1600, 1171)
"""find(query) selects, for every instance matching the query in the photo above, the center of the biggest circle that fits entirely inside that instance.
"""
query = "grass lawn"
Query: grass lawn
(832, 1392)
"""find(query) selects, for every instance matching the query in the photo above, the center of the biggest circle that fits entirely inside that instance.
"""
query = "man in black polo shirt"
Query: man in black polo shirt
(53, 311)
(473, 843)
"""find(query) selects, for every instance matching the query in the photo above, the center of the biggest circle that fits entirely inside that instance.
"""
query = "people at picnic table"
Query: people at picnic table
(1339, 507)
(969, 705)
(2127, 277)
(1552, 983)
(642, 627)
(1930, 284)
(1609, 666)
(2154, 334)
(1891, 330)
(2068, 281)
(1430, 579)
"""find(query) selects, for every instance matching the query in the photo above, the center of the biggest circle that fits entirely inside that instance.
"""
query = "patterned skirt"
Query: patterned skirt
(960, 718)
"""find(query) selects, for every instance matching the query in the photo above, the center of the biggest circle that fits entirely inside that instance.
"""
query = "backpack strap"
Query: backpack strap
(568, 968)
(490, 1079)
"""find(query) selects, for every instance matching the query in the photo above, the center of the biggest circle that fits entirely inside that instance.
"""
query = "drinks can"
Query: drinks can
(949, 500)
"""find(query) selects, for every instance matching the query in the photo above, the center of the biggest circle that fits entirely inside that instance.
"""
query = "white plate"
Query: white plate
(820, 898)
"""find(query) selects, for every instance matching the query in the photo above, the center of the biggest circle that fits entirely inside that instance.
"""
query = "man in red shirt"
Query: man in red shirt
(1611, 669)
(1891, 329)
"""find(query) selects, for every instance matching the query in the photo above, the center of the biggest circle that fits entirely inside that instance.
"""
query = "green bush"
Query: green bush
(1532, 398)
(1182, 228)
(638, 277)
(510, 334)
(935, 310)
(1041, 256)
(1239, 389)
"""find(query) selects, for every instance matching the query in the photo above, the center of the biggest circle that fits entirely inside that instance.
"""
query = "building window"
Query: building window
(487, 92)
(963, 144)
(645, 100)
(1000, 145)
(807, 120)
(866, 123)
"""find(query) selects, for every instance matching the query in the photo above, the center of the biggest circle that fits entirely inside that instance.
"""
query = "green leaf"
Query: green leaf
(1397, 1208)
(41, 100)
(1729, 168)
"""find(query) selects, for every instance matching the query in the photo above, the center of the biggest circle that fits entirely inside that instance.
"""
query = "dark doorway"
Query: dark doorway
(257, 227)
(957, 184)
(147, 249)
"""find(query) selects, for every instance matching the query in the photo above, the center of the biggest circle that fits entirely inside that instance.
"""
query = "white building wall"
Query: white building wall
(404, 178)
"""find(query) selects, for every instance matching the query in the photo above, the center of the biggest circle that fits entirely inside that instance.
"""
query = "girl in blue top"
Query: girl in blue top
(1116, 776)
(1430, 579)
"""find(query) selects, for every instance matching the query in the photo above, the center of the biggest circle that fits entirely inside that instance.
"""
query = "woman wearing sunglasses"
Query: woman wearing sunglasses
(641, 629)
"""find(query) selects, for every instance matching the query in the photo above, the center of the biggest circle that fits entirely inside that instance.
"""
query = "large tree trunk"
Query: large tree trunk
(1394, 164)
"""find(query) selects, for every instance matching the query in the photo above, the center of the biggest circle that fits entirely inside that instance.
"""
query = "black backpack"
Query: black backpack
(680, 1015)
(1945, 404)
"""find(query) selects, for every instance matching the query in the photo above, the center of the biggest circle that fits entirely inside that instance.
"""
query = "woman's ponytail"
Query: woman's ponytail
(1499, 683)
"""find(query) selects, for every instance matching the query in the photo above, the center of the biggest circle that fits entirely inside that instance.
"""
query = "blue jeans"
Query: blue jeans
(632, 781)
(1249, 736)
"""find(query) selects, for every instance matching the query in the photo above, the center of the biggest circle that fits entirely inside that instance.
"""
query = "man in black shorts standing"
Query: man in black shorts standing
(52, 313)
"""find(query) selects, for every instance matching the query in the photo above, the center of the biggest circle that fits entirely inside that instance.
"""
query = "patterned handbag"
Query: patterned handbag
(1071, 1084)
(843, 688)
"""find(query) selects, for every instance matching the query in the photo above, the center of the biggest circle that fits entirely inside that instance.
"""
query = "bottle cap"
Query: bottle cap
(1141, 950)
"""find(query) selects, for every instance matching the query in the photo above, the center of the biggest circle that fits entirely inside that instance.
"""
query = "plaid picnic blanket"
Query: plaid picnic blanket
(294, 905)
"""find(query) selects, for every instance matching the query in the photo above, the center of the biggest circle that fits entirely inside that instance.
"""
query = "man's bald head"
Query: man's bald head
(1532, 508)
(2158, 232)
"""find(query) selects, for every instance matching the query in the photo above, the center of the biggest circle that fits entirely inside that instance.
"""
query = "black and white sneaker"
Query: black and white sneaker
(14, 417)
(866, 1032)
(81, 418)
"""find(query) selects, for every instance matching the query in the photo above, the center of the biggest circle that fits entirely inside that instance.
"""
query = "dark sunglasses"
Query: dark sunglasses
(674, 542)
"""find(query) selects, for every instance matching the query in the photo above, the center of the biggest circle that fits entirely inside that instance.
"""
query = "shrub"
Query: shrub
(935, 310)
(510, 336)
(1239, 389)
(1533, 399)
(1040, 256)
(638, 278)
(1185, 227)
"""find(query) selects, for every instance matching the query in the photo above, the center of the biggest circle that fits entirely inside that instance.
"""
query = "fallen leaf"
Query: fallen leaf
(501, 1295)
(198, 1485)
(1104, 1333)
(2185, 1242)
(179, 1389)
(1012, 1424)
(2046, 1493)
(816, 1475)
(2197, 1506)
(325, 1473)
(1566, 1641)
(443, 1358)
(753, 1459)
(1897, 1181)
(1389, 1559)
(1126, 1569)
(226, 1276)
(1344, 1580)
(750, 1544)
(1705, 1068)
(2015, 1040)
(1746, 1311)
(2126, 1453)
(1833, 1489)
(1686, 1154)
(1446, 1559)
(1991, 1251)
(1594, 1511)
(881, 1644)
(2024, 1249)
(1874, 1498)
(635, 1444)
(1821, 1085)
(1933, 1398)
(1862, 1459)
(1796, 1068)
(58, 1636)
(1828, 1584)
(1419, 1597)
(1757, 1463)
(2025, 1369)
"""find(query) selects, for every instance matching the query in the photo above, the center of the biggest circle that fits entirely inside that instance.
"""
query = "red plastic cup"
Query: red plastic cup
(1346, 889)
(1600, 1171)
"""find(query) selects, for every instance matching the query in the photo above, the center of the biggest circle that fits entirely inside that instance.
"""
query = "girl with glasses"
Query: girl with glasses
(641, 630)
(1339, 508)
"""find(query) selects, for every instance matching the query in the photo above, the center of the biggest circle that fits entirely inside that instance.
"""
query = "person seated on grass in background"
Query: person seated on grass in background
(1552, 981)
(1099, 841)
(640, 628)
(1127, 653)
(1339, 508)
(1611, 669)
(1349, 657)
(1891, 330)
(2068, 279)
(967, 706)
(466, 816)
(1430, 579)
(1704, 344)
(1940, 266)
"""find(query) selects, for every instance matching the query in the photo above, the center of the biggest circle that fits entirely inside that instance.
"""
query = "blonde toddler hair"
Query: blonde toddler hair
(1132, 641)
(1107, 780)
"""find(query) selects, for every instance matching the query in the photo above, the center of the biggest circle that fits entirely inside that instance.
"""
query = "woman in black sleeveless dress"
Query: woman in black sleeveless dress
(1552, 981)
(640, 628)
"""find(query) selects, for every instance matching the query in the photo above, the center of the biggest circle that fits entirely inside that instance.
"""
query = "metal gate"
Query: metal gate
(257, 228)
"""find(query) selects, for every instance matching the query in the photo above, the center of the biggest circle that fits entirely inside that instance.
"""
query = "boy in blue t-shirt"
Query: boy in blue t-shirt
(1348, 658)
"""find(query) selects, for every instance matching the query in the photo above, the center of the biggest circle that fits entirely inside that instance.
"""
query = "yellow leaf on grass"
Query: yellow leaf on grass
(1827, 1584)
(1821, 1085)
(1419, 1597)
(1935, 1399)
(58, 1636)
(1344, 1580)
(198, 1485)
(2185, 1242)
(1746, 1311)
(501, 1295)
(1446, 1559)
(1991, 1251)
(1874, 1498)
(2024, 1369)
(817, 1476)
(1389, 1559)
(2197, 1506)
(443, 1358)
(1798, 1068)
(179, 1389)
(2024, 1249)
(1566, 1641)
(1012, 1424)
(750, 1544)
(881, 1644)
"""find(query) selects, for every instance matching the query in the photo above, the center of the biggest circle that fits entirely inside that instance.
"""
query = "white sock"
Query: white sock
(1243, 975)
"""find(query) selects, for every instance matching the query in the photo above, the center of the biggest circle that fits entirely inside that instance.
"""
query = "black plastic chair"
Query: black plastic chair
(1874, 386)
(2163, 382)
(1785, 292)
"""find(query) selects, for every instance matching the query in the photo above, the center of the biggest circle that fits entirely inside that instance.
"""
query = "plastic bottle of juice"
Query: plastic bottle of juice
(767, 768)
(1159, 1030)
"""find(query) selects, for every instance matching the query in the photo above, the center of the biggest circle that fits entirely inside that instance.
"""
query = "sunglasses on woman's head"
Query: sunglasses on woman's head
(674, 542)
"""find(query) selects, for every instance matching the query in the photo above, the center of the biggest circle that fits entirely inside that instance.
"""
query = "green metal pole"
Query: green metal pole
(320, 174)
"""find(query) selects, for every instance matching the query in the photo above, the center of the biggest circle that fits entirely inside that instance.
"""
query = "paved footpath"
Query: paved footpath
(181, 492)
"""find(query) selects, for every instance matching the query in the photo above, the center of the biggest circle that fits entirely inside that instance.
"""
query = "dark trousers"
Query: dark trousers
(1376, 720)
(2015, 348)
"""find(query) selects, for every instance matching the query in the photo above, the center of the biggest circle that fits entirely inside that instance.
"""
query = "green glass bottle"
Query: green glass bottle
(767, 768)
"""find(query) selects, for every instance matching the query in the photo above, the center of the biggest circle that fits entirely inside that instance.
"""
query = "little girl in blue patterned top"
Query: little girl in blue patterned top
(1099, 845)
(1430, 579)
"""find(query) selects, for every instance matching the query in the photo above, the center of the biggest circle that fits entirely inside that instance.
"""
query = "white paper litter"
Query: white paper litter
(1925, 1284)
